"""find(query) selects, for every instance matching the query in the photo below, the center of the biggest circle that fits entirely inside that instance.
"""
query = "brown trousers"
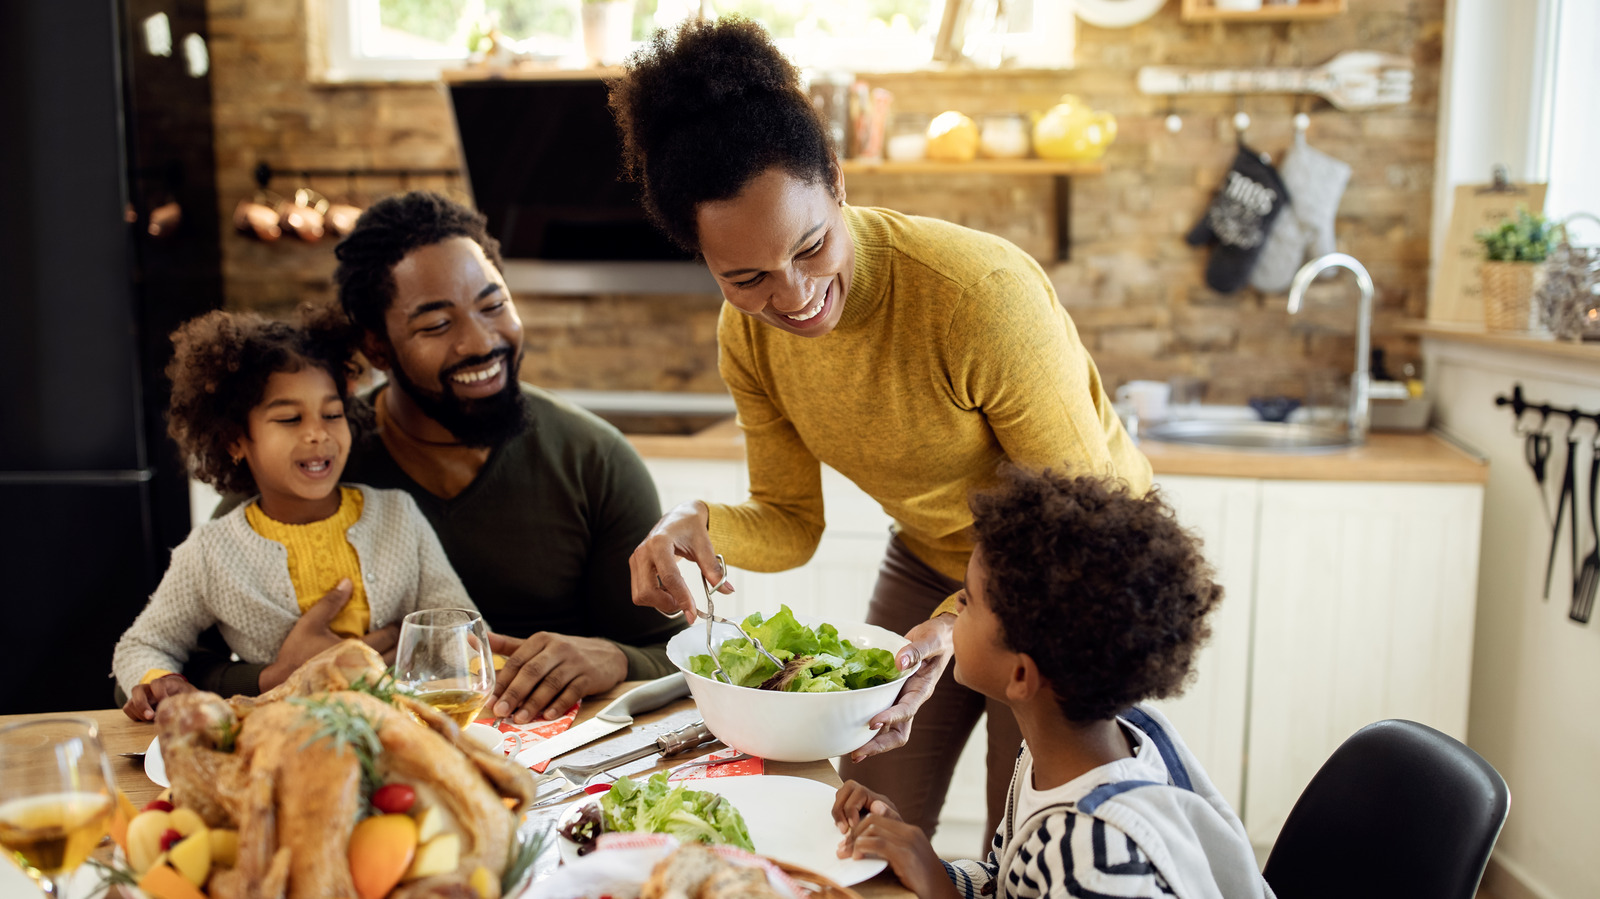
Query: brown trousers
(917, 775)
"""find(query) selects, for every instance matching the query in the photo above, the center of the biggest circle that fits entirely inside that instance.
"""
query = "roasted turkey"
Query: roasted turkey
(284, 769)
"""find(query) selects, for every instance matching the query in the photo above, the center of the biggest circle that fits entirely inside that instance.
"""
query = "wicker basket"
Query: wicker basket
(1508, 289)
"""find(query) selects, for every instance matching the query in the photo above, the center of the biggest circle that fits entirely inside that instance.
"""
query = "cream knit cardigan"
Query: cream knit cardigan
(228, 575)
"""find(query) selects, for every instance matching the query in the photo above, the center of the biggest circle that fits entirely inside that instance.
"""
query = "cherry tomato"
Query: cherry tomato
(158, 805)
(169, 837)
(394, 799)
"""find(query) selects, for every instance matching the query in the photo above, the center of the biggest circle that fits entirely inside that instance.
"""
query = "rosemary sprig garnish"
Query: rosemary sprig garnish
(524, 852)
(383, 689)
(114, 874)
(346, 727)
(227, 736)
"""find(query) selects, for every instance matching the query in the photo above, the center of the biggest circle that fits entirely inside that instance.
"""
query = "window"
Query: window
(416, 39)
(1572, 127)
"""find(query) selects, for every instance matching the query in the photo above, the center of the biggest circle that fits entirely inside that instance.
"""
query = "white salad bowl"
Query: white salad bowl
(788, 727)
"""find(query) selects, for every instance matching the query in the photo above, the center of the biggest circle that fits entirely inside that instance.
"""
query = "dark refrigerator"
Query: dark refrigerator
(104, 129)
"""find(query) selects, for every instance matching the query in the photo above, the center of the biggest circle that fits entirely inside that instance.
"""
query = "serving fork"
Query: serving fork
(711, 616)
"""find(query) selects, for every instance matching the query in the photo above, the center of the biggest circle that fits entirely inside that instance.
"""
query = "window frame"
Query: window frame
(339, 58)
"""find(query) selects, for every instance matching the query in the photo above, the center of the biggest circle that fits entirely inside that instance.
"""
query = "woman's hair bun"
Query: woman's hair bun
(703, 66)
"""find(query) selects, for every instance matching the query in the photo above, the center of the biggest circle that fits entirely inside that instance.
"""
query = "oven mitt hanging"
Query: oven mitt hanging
(1316, 181)
(1239, 219)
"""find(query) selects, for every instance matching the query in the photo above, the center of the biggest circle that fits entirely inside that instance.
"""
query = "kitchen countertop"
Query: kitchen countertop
(1385, 457)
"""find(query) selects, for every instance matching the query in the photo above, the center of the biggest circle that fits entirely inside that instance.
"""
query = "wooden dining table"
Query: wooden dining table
(120, 734)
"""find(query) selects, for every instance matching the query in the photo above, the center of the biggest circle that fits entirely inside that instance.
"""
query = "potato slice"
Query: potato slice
(224, 847)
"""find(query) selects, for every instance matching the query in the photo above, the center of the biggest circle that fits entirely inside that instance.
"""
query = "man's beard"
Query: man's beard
(484, 423)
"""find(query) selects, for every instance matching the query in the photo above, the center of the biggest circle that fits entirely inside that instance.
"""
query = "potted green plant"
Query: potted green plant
(1513, 253)
(607, 29)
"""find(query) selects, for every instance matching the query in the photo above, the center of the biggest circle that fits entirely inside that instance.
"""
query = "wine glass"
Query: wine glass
(55, 796)
(444, 659)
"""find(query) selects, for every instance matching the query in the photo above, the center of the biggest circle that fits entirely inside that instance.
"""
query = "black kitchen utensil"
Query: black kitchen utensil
(1567, 488)
(1589, 577)
(1536, 449)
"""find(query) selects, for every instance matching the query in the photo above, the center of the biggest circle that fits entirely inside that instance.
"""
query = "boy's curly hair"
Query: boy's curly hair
(219, 370)
(1105, 591)
(707, 107)
(384, 234)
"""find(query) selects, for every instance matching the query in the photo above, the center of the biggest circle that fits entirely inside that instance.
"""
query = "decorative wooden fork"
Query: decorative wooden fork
(1353, 80)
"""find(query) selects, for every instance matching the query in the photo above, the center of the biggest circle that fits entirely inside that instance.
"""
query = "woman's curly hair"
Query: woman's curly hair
(219, 370)
(384, 234)
(707, 107)
(1104, 590)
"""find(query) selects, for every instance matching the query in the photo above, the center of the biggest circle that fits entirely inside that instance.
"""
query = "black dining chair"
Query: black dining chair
(1398, 810)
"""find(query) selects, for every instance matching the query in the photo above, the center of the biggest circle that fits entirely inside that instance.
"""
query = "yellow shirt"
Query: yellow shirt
(320, 555)
(951, 356)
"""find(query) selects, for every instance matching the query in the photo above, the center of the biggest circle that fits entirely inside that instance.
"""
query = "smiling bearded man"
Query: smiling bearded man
(537, 503)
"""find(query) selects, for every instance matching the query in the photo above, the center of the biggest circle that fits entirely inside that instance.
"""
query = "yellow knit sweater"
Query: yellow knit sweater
(951, 356)
(320, 555)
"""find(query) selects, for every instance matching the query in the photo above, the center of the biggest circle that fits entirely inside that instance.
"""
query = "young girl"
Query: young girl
(260, 407)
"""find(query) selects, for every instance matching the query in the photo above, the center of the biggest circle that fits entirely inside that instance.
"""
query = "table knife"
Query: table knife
(614, 717)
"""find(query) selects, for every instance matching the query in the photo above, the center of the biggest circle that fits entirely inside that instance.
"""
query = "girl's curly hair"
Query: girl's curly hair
(707, 107)
(219, 370)
(1104, 590)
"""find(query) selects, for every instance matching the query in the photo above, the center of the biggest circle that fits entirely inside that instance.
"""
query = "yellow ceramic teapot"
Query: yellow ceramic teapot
(1071, 131)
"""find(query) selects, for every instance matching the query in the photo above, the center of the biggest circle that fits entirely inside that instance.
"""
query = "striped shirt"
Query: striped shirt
(1085, 838)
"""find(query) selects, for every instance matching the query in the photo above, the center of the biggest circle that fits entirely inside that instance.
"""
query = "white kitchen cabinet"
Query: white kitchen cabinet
(1211, 713)
(1364, 603)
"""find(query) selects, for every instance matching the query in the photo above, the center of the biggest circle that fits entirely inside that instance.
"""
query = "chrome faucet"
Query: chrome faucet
(1361, 381)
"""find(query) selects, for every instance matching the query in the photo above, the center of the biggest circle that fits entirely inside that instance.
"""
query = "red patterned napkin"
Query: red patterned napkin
(536, 731)
(727, 769)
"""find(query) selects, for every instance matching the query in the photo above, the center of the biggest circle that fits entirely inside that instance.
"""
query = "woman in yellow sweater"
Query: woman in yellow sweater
(912, 355)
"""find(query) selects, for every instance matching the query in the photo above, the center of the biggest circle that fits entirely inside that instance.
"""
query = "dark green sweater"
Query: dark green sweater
(540, 538)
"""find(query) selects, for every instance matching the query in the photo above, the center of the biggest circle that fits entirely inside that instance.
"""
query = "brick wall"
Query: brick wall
(1132, 285)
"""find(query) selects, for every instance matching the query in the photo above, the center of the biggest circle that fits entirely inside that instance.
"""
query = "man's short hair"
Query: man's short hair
(385, 233)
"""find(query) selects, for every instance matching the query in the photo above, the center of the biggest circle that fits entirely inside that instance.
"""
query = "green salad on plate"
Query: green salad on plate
(656, 806)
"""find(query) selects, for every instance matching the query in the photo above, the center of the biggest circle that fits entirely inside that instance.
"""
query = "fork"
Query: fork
(1589, 576)
(711, 616)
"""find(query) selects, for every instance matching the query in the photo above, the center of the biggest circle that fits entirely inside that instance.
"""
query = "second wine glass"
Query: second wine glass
(55, 796)
(443, 657)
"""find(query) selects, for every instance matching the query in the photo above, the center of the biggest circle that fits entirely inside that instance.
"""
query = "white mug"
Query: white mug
(1149, 398)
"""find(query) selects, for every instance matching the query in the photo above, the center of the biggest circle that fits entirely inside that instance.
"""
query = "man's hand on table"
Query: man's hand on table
(873, 828)
(311, 635)
(546, 673)
(142, 702)
(930, 643)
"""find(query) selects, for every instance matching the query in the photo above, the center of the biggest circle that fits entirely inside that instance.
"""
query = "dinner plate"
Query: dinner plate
(154, 767)
(790, 819)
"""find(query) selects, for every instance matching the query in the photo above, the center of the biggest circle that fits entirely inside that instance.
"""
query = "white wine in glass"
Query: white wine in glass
(55, 797)
(444, 659)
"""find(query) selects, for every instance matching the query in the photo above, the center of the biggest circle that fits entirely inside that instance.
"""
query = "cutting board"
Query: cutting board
(1458, 291)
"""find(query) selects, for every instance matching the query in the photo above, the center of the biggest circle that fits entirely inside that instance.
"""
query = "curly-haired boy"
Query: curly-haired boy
(1081, 600)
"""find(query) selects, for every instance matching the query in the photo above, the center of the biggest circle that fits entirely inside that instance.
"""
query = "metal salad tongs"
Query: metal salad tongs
(710, 614)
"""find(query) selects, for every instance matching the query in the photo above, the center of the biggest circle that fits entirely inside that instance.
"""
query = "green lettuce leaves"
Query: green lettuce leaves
(834, 664)
(656, 806)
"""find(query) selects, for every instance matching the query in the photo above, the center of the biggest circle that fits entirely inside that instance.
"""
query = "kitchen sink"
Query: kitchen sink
(1259, 436)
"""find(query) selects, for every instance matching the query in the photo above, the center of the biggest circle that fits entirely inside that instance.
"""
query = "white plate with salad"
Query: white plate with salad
(789, 819)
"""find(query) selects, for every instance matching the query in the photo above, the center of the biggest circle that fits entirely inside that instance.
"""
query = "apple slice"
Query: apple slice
(430, 823)
(144, 838)
(187, 822)
(192, 857)
(439, 855)
(224, 847)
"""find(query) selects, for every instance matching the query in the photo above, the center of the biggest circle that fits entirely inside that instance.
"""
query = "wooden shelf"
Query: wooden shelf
(1545, 345)
(975, 167)
(1304, 11)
